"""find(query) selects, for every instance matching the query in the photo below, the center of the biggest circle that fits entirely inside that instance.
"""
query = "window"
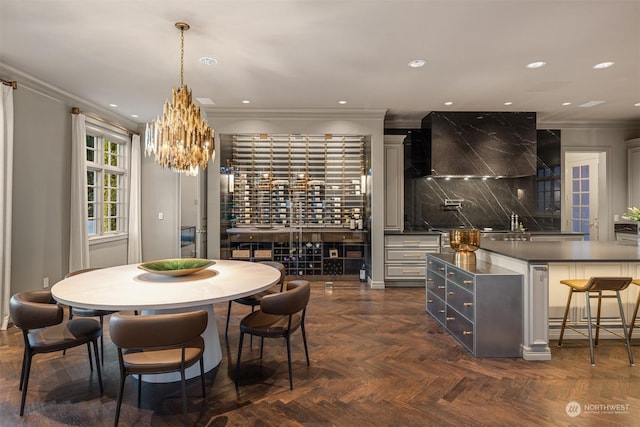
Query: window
(107, 155)
(548, 181)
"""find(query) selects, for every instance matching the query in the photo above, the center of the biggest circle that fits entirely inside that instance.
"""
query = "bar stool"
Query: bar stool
(635, 310)
(254, 300)
(598, 285)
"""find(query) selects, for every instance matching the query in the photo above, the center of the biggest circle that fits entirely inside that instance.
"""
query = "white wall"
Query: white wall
(41, 193)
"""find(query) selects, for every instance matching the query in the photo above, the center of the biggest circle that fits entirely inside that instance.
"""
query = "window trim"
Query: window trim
(104, 131)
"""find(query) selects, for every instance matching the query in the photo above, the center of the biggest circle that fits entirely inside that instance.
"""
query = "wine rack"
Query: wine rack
(285, 180)
(303, 253)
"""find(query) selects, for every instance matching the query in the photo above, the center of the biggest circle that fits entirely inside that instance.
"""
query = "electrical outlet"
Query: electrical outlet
(45, 282)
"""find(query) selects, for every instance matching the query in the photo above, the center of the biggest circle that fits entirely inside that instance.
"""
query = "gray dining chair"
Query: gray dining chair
(279, 316)
(45, 331)
(156, 344)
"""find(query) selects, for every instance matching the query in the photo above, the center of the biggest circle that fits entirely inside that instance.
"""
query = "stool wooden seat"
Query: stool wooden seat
(635, 310)
(597, 285)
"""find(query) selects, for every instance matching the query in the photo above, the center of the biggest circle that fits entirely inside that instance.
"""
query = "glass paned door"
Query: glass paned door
(582, 196)
(580, 212)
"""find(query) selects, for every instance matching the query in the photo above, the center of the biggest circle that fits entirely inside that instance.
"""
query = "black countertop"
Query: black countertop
(564, 251)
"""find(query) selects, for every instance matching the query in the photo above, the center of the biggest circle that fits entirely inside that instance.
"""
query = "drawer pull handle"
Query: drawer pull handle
(440, 268)
(451, 273)
(412, 271)
(451, 293)
(429, 280)
(410, 255)
(467, 333)
(468, 282)
(430, 263)
(411, 242)
(440, 311)
(451, 318)
(468, 304)
(441, 287)
(429, 300)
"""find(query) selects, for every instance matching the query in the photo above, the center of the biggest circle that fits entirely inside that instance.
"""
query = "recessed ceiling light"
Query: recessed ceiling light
(536, 64)
(508, 103)
(591, 104)
(448, 103)
(566, 103)
(206, 60)
(417, 63)
(342, 102)
(603, 65)
(205, 101)
(113, 105)
(246, 101)
(637, 104)
(135, 116)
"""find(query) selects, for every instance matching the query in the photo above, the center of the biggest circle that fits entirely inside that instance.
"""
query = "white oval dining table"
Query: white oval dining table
(127, 287)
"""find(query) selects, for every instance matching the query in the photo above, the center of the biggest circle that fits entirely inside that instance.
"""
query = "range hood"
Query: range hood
(481, 144)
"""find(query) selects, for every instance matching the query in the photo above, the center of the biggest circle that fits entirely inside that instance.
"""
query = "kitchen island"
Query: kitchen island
(543, 265)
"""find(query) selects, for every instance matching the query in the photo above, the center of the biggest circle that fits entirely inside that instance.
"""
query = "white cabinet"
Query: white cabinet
(633, 157)
(393, 182)
(404, 255)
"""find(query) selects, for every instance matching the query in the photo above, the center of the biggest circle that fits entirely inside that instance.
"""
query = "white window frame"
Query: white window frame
(102, 132)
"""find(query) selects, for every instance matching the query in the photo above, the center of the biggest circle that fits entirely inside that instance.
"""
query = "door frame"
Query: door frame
(605, 188)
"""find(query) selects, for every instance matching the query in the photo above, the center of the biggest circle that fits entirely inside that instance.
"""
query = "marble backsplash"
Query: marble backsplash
(431, 203)
(482, 143)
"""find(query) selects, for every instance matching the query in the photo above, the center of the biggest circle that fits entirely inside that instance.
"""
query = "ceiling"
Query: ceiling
(311, 54)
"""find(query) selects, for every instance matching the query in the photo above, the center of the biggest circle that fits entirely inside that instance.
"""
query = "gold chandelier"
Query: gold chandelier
(180, 139)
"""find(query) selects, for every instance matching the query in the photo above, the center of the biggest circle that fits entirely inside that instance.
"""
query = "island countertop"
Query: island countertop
(564, 251)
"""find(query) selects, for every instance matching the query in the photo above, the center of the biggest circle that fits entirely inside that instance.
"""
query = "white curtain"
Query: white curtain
(135, 246)
(6, 183)
(78, 236)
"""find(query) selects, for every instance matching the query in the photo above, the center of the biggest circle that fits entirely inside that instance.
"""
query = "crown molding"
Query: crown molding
(297, 113)
(48, 90)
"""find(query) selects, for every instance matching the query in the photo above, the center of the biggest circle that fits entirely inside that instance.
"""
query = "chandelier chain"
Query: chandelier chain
(181, 56)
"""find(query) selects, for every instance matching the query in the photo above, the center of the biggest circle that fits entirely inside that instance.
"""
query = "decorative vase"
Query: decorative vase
(464, 239)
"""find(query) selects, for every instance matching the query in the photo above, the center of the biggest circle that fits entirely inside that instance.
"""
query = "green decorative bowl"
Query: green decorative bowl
(176, 266)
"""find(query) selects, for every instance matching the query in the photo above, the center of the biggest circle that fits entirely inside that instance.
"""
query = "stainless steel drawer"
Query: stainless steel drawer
(460, 277)
(436, 307)
(461, 328)
(436, 284)
(461, 300)
(436, 266)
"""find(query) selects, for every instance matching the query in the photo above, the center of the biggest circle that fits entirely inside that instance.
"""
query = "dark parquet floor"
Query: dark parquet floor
(377, 359)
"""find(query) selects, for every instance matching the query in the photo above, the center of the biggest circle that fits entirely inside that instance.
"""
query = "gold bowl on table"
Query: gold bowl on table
(464, 239)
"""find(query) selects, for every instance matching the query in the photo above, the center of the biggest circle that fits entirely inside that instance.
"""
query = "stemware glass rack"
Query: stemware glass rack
(284, 180)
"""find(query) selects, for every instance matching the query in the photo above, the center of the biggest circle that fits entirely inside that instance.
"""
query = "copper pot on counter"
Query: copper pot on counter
(464, 239)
